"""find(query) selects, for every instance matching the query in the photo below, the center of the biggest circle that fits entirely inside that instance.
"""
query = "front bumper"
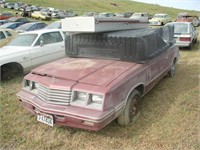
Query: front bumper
(67, 115)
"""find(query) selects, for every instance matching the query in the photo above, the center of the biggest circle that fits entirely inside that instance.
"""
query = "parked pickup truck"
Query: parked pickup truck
(103, 78)
(29, 50)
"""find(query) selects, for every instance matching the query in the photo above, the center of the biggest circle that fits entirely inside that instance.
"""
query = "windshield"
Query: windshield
(180, 28)
(23, 40)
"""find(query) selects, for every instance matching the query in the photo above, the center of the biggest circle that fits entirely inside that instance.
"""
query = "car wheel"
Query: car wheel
(131, 111)
(195, 40)
(6, 73)
(172, 70)
(190, 46)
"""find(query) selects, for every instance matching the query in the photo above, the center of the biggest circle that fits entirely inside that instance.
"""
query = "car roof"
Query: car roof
(41, 31)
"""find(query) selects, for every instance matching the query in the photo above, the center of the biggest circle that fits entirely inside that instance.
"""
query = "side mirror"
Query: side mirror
(41, 43)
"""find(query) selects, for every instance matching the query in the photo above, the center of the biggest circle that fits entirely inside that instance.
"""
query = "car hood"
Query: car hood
(90, 71)
(7, 50)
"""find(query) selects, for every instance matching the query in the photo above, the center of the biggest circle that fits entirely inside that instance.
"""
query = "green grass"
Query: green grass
(81, 6)
(169, 120)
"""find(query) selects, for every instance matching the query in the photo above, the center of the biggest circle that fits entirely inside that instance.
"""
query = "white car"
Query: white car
(160, 19)
(29, 50)
(6, 35)
(141, 16)
(184, 33)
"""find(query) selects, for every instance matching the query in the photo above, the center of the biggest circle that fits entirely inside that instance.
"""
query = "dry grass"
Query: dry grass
(169, 118)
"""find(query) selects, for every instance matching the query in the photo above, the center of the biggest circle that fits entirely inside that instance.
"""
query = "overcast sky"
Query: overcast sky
(182, 4)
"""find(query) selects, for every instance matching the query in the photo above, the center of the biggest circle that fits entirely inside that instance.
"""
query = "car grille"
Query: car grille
(54, 96)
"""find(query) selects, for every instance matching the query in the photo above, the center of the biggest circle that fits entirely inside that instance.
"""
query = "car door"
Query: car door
(54, 45)
(49, 47)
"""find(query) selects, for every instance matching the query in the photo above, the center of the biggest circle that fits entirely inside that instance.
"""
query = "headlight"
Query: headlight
(35, 85)
(81, 96)
(26, 83)
(97, 98)
(88, 100)
(30, 86)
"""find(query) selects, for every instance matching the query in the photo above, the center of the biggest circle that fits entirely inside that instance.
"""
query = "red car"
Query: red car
(5, 16)
(103, 78)
(185, 17)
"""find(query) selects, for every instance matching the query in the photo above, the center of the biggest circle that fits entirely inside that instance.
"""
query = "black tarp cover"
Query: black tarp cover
(128, 45)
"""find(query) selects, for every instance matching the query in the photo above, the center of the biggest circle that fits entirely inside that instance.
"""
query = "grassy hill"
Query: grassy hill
(81, 6)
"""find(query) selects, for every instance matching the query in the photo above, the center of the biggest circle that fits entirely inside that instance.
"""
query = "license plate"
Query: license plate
(46, 119)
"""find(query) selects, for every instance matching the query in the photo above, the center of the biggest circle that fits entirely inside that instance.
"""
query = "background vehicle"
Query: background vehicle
(40, 15)
(18, 19)
(184, 33)
(31, 26)
(105, 14)
(185, 17)
(160, 19)
(3, 22)
(11, 25)
(5, 16)
(29, 50)
(141, 16)
(6, 35)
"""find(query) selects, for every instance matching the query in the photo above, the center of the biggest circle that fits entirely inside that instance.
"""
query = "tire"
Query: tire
(131, 111)
(195, 41)
(6, 73)
(190, 46)
(172, 70)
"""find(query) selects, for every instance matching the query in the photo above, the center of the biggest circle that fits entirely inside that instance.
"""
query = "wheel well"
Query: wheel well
(140, 89)
(16, 67)
(175, 60)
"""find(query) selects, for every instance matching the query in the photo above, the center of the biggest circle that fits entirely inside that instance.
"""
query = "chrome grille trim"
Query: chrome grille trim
(54, 96)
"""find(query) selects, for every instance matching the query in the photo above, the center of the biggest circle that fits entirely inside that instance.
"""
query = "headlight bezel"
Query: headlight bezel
(31, 86)
(92, 100)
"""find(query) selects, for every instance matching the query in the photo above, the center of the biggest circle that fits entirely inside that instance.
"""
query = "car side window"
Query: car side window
(8, 33)
(49, 38)
(33, 27)
(2, 36)
(41, 26)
